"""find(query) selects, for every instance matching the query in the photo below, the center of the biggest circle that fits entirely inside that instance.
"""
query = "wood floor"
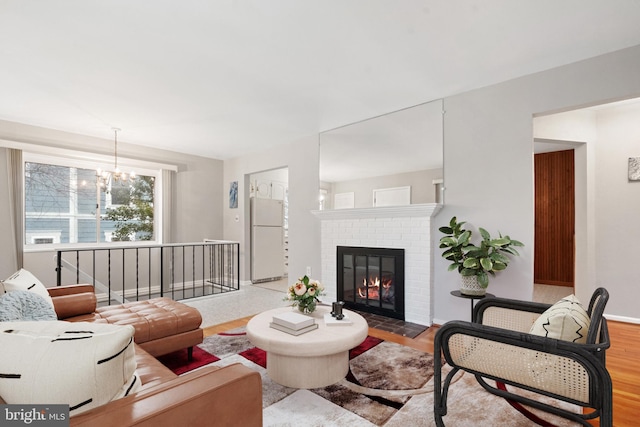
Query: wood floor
(623, 362)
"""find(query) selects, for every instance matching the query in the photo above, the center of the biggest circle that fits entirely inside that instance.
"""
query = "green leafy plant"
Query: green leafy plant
(482, 260)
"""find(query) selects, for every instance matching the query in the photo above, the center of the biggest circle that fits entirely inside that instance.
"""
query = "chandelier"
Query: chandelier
(105, 178)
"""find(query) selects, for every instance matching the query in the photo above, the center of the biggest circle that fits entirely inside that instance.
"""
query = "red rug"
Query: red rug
(179, 362)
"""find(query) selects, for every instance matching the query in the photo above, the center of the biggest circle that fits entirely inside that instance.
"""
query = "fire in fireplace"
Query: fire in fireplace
(372, 289)
(372, 280)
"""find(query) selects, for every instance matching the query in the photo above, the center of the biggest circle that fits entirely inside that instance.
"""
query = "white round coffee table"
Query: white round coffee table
(314, 359)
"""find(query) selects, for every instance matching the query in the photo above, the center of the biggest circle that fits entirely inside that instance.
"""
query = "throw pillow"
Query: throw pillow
(82, 364)
(23, 280)
(25, 305)
(565, 320)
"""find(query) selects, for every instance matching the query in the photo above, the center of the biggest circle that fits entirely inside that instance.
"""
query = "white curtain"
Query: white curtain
(15, 169)
(167, 204)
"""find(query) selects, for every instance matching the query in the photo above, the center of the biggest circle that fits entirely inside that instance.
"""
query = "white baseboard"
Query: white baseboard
(624, 319)
(439, 322)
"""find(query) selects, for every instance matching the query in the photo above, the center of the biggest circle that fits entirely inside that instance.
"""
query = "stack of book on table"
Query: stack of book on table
(293, 323)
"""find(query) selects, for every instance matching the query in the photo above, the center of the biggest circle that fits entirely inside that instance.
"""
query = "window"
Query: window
(64, 203)
(118, 194)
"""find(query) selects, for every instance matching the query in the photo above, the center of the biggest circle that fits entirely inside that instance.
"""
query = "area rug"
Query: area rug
(388, 385)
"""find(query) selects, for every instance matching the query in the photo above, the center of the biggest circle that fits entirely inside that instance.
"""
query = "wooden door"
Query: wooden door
(554, 218)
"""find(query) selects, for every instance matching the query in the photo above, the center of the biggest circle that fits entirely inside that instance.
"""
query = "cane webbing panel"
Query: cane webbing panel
(543, 371)
(506, 318)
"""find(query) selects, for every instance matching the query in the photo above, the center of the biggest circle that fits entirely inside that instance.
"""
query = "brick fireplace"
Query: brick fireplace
(403, 227)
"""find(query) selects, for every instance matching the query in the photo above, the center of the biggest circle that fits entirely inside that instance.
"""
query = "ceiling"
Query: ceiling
(225, 78)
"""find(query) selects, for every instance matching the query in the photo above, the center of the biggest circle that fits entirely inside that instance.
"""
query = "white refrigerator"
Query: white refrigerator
(267, 239)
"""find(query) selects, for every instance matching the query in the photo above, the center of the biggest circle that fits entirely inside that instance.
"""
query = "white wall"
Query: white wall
(281, 175)
(618, 209)
(198, 189)
(576, 125)
(488, 164)
(301, 158)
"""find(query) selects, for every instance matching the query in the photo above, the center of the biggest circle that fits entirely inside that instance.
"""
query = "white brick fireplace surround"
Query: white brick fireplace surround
(403, 227)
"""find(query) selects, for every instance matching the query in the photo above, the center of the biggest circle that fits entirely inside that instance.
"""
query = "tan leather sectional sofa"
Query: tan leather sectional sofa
(228, 396)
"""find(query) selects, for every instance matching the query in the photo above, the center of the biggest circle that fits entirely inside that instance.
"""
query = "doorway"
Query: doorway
(554, 253)
(602, 137)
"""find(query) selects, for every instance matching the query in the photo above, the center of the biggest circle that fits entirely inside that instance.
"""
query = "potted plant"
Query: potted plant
(475, 262)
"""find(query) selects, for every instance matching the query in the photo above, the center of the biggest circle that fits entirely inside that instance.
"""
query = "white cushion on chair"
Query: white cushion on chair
(565, 320)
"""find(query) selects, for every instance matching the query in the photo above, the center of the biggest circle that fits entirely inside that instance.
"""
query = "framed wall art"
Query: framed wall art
(233, 195)
(634, 168)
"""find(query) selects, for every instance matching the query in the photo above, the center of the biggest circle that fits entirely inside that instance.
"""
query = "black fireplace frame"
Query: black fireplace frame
(399, 279)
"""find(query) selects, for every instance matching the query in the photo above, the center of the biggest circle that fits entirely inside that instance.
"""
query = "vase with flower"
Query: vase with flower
(304, 294)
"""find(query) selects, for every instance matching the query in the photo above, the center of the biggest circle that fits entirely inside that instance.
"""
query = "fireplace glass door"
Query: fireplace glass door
(372, 280)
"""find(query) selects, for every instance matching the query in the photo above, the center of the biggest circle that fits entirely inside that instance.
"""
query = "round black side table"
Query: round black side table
(459, 294)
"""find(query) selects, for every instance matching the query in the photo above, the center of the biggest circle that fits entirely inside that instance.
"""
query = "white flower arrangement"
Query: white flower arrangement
(304, 294)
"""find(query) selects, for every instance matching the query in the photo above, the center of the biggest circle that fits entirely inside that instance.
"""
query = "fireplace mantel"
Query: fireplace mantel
(418, 210)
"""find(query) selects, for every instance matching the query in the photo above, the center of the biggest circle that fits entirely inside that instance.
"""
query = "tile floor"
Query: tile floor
(550, 294)
(396, 326)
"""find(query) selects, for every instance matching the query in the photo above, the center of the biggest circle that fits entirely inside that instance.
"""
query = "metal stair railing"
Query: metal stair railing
(178, 270)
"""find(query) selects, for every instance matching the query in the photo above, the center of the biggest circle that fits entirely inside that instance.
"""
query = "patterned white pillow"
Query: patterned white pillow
(82, 364)
(23, 280)
(565, 320)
